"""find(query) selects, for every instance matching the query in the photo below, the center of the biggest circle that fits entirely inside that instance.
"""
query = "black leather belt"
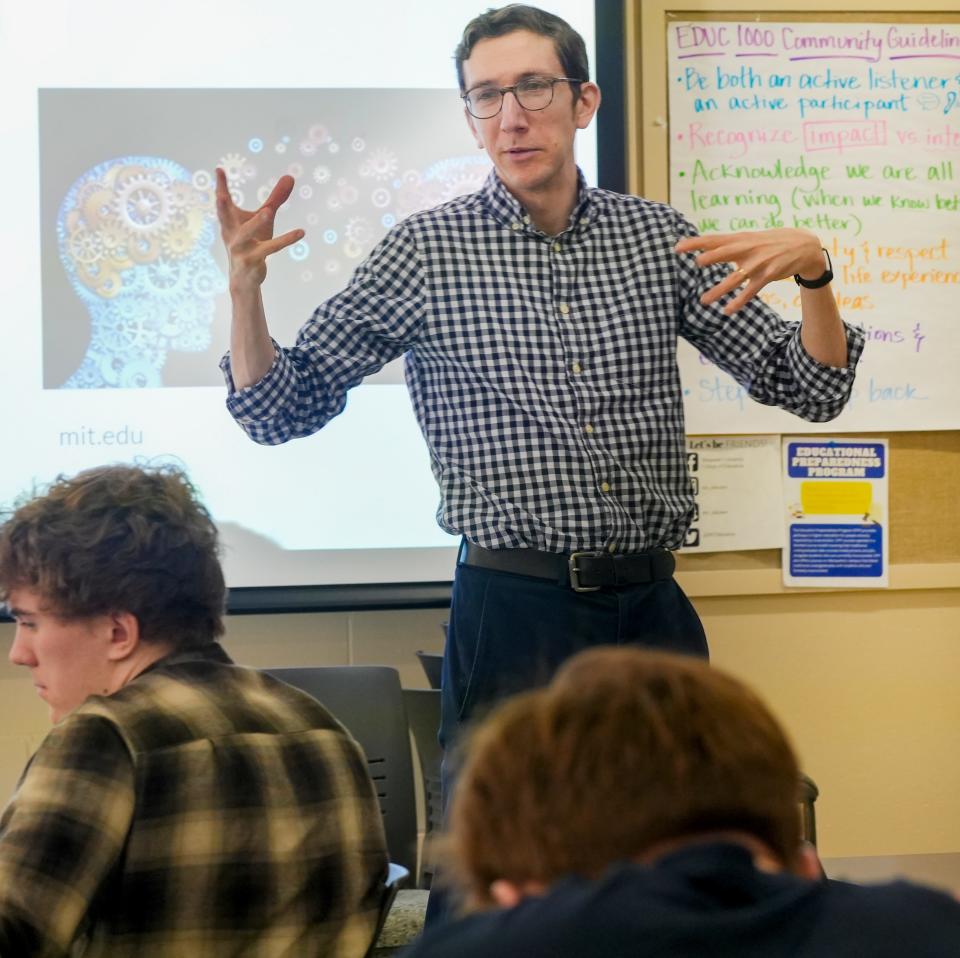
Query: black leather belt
(583, 571)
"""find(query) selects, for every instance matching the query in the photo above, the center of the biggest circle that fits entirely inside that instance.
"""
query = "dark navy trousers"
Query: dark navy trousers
(509, 633)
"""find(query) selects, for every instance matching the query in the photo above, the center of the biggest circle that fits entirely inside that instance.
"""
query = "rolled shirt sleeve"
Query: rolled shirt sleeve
(762, 351)
(350, 336)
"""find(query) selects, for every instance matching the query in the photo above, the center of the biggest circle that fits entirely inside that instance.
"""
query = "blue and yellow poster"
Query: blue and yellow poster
(836, 497)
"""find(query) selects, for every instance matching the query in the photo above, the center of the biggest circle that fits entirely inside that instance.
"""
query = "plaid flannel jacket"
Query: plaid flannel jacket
(542, 369)
(203, 810)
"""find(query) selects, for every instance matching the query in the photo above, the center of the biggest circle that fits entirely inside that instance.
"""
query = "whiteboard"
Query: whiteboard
(851, 130)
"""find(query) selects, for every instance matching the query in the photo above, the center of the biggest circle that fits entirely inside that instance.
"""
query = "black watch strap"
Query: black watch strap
(820, 280)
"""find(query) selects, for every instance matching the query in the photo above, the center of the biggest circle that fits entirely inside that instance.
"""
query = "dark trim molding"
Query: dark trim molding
(339, 598)
(611, 76)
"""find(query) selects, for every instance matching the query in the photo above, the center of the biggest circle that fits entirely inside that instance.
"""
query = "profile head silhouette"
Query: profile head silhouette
(135, 235)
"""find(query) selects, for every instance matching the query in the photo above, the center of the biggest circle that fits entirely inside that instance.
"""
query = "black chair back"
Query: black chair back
(432, 663)
(423, 714)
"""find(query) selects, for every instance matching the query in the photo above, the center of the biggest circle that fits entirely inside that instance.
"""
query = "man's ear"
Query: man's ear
(471, 122)
(808, 863)
(507, 894)
(587, 104)
(124, 635)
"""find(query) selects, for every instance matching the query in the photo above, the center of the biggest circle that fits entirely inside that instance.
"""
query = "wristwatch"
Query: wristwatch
(820, 280)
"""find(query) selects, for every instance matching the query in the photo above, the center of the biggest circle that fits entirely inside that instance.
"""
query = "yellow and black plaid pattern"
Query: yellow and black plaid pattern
(203, 810)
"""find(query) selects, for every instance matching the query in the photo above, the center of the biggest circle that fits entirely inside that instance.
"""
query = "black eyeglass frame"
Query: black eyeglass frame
(504, 90)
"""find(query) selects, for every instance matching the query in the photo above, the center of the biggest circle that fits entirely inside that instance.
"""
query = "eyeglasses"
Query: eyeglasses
(532, 93)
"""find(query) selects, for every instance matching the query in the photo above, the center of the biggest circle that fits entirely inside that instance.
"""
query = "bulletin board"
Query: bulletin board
(924, 443)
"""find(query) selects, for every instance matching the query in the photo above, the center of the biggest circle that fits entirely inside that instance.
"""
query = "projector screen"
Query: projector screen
(114, 282)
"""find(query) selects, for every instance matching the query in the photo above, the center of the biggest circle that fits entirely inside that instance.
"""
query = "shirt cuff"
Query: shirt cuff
(826, 382)
(264, 399)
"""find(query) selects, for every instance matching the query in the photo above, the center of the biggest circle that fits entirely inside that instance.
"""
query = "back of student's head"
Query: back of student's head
(120, 538)
(624, 751)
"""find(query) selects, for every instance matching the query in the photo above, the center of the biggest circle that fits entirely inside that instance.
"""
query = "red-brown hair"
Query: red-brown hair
(624, 750)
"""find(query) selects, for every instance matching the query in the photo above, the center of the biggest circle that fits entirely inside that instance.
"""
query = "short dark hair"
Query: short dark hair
(120, 538)
(625, 750)
(571, 50)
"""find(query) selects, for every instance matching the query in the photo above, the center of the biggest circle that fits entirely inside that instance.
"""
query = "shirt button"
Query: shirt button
(577, 368)
(557, 247)
(611, 548)
(526, 220)
(564, 308)
(588, 428)
(605, 487)
(514, 226)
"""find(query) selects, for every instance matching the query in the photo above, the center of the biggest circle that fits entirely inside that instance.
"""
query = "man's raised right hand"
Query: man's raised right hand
(248, 234)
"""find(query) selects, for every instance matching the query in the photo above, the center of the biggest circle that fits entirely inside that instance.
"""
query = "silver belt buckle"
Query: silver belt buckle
(575, 571)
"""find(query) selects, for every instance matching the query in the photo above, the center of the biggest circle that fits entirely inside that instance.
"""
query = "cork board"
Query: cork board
(924, 506)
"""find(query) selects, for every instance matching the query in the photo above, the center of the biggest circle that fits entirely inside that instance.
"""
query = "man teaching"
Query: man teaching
(539, 319)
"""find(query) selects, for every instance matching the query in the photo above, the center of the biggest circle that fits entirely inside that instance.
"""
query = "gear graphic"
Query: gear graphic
(87, 376)
(143, 204)
(182, 196)
(202, 180)
(106, 284)
(207, 283)
(233, 165)
(299, 251)
(114, 238)
(85, 246)
(381, 164)
(125, 335)
(177, 243)
(144, 249)
(455, 186)
(180, 315)
(138, 374)
(95, 205)
(194, 339)
(163, 275)
(359, 230)
(321, 174)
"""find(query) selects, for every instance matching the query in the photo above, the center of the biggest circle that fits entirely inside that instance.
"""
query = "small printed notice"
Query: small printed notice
(736, 487)
(836, 494)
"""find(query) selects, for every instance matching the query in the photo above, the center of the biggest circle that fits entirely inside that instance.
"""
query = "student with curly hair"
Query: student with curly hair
(181, 804)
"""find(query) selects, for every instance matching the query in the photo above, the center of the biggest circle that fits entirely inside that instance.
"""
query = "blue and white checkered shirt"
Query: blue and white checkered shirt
(542, 369)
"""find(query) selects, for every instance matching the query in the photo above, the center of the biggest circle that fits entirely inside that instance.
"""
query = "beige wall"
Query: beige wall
(867, 684)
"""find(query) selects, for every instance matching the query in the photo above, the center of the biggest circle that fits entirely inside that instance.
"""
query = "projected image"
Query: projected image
(134, 236)
(134, 284)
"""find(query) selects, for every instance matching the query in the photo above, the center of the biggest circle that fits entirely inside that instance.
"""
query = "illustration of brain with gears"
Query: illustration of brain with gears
(135, 235)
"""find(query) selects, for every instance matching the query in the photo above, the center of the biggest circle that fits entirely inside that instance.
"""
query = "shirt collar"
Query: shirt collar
(210, 652)
(508, 209)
